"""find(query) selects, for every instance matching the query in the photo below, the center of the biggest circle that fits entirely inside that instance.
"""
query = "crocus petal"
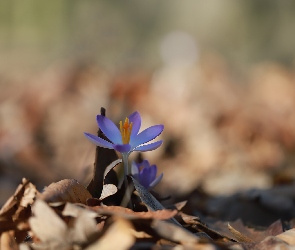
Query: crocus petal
(145, 177)
(145, 164)
(99, 141)
(149, 147)
(152, 173)
(146, 135)
(136, 123)
(110, 130)
(134, 169)
(156, 181)
(122, 148)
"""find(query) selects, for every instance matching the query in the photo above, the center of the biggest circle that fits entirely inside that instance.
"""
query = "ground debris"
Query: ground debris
(28, 222)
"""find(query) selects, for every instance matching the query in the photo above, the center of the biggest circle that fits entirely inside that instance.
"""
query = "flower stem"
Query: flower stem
(126, 169)
(126, 172)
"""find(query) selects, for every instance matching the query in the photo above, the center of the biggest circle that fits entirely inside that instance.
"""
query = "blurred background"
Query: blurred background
(218, 74)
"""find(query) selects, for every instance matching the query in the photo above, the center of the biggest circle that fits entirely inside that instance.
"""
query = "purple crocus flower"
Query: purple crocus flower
(126, 139)
(146, 174)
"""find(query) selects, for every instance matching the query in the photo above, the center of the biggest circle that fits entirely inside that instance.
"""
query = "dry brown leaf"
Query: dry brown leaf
(117, 236)
(23, 196)
(197, 223)
(180, 205)
(16, 211)
(258, 235)
(7, 241)
(54, 233)
(108, 190)
(238, 235)
(24, 246)
(68, 190)
(111, 166)
(272, 243)
(288, 236)
(130, 214)
(222, 228)
(84, 226)
(46, 225)
(174, 233)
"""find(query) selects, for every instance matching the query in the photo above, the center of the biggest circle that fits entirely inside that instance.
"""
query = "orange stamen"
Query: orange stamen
(125, 130)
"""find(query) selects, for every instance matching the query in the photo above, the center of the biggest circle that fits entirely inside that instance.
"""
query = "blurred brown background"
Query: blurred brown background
(218, 74)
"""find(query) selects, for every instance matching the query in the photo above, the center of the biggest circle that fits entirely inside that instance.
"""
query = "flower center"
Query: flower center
(125, 129)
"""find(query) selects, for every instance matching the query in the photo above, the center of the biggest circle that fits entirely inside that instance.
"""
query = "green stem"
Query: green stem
(126, 170)
(127, 195)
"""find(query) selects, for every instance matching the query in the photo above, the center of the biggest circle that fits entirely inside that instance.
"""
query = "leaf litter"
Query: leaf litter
(31, 220)
(67, 215)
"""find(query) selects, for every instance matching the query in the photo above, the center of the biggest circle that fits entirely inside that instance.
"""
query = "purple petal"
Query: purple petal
(145, 164)
(145, 177)
(122, 148)
(156, 181)
(109, 128)
(152, 172)
(149, 147)
(136, 123)
(134, 170)
(99, 141)
(146, 135)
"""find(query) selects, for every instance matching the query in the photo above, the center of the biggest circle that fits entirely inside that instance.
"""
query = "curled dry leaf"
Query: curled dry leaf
(7, 241)
(118, 236)
(54, 233)
(23, 196)
(272, 243)
(174, 233)
(16, 210)
(238, 235)
(108, 190)
(110, 167)
(130, 214)
(67, 190)
(83, 229)
(241, 233)
(288, 236)
(195, 222)
(97, 186)
(46, 224)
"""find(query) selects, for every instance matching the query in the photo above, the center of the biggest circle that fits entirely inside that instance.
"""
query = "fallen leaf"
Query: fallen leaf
(288, 236)
(23, 196)
(130, 214)
(54, 233)
(254, 234)
(67, 190)
(238, 235)
(272, 243)
(7, 241)
(16, 211)
(83, 228)
(108, 190)
(174, 233)
(118, 236)
(197, 224)
(111, 166)
(46, 225)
